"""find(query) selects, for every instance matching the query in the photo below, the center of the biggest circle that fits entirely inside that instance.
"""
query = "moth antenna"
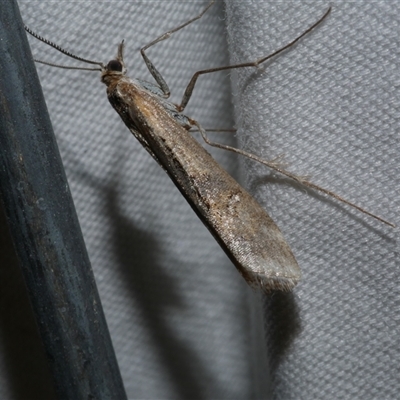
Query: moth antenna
(67, 53)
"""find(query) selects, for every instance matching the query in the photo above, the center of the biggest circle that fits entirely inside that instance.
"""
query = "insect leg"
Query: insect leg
(156, 75)
(190, 86)
(276, 166)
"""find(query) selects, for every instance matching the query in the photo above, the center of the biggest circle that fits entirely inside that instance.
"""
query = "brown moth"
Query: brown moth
(244, 230)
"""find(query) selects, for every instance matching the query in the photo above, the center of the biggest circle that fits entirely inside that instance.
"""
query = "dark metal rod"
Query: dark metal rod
(45, 229)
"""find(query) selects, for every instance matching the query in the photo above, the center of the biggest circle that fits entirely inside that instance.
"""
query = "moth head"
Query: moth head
(116, 67)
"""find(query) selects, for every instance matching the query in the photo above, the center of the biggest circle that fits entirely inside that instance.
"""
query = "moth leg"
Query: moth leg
(276, 166)
(190, 86)
(156, 75)
(214, 130)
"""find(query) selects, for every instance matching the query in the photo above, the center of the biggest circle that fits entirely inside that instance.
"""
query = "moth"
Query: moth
(244, 230)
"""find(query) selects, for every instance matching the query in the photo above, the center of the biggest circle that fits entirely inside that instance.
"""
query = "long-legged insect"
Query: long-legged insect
(241, 226)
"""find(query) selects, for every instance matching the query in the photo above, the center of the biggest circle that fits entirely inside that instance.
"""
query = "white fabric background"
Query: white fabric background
(182, 320)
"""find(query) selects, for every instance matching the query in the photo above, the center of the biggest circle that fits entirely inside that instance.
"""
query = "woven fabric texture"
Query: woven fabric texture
(331, 106)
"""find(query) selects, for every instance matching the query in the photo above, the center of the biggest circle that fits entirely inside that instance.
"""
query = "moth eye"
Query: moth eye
(114, 65)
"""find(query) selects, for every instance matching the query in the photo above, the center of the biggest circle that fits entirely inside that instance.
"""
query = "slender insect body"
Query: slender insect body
(241, 226)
